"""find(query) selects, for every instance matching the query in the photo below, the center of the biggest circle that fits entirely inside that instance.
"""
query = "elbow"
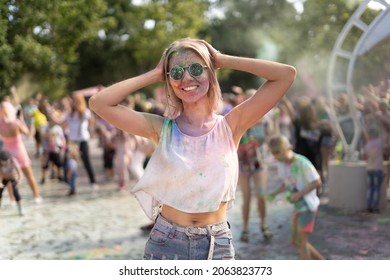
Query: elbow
(92, 103)
(291, 73)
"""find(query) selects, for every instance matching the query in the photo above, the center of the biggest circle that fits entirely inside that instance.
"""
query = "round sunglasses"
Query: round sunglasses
(177, 72)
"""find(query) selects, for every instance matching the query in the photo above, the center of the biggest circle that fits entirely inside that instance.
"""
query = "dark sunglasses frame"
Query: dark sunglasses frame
(190, 70)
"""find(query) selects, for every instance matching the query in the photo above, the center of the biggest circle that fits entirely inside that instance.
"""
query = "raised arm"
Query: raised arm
(289, 108)
(106, 104)
(23, 128)
(279, 78)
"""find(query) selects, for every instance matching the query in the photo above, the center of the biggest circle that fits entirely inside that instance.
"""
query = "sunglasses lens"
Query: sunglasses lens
(196, 69)
(176, 72)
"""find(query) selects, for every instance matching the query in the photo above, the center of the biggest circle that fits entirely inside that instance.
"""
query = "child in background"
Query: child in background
(10, 173)
(71, 168)
(373, 152)
(300, 180)
(54, 144)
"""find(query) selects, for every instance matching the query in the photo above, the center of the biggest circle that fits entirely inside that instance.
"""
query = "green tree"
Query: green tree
(248, 28)
(43, 37)
(373, 67)
(311, 35)
(136, 38)
(6, 69)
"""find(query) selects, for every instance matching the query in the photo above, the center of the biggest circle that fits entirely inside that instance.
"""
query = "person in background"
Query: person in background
(373, 154)
(124, 150)
(11, 175)
(104, 134)
(38, 121)
(11, 131)
(300, 180)
(54, 146)
(252, 172)
(283, 123)
(308, 133)
(77, 122)
(72, 168)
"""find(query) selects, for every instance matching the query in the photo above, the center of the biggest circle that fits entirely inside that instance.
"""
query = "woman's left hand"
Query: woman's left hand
(213, 51)
(160, 68)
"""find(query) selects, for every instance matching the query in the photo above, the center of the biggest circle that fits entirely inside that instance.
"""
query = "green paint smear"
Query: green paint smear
(384, 220)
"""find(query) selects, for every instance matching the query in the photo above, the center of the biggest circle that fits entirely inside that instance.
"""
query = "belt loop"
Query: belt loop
(209, 230)
(172, 231)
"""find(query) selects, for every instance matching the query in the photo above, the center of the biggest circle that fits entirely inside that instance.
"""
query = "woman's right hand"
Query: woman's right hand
(160, 67)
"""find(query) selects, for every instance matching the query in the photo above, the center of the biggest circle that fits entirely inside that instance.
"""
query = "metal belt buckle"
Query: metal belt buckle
(193, 230)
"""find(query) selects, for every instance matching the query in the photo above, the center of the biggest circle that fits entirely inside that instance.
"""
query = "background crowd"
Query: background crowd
(61, 129)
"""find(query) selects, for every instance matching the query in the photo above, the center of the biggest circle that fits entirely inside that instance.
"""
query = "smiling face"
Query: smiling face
(190, 88)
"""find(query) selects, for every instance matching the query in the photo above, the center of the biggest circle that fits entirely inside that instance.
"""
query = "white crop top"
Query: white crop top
(191, 174)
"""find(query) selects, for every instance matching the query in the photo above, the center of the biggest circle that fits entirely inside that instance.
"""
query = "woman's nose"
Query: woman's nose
(187, 75)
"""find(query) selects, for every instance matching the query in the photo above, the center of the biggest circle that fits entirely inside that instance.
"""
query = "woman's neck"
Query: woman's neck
(196, 124)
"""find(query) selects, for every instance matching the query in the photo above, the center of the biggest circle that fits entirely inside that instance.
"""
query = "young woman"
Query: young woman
(191, 178)
(77, 122)
(11, 131)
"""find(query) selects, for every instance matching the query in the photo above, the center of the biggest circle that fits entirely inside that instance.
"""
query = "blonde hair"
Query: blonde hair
(73, 150)
(175, 105)
(79, 105)
(278, 143)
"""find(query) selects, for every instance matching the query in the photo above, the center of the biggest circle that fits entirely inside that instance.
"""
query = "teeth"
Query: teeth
(189, 88)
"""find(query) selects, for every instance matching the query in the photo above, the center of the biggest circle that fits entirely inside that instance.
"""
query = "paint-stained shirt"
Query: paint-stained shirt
(191, 174)
(298, 175)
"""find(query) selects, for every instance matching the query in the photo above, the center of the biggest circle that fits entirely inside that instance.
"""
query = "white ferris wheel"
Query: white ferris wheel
(372, 33)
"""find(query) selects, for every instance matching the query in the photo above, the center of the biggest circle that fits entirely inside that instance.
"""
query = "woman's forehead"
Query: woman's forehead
(184, 57)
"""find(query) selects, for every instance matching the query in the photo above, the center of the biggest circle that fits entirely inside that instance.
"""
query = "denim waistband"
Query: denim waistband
(209, 230)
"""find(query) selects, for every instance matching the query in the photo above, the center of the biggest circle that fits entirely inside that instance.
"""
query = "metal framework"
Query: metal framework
(338, 53)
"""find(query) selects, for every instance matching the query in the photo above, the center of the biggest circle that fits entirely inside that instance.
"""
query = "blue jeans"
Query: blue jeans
(375, 179)
(72, 182)
(168, 241)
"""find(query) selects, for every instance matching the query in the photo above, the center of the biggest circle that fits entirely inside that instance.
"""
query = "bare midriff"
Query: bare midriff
(194, 219)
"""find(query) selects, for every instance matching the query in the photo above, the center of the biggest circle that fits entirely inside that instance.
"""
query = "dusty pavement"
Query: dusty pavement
(104, 224)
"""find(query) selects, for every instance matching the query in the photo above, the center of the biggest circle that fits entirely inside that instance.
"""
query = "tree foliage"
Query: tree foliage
(43, 37)
(312, 36)
(137, 38)
(63, 45)
(247, 28)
